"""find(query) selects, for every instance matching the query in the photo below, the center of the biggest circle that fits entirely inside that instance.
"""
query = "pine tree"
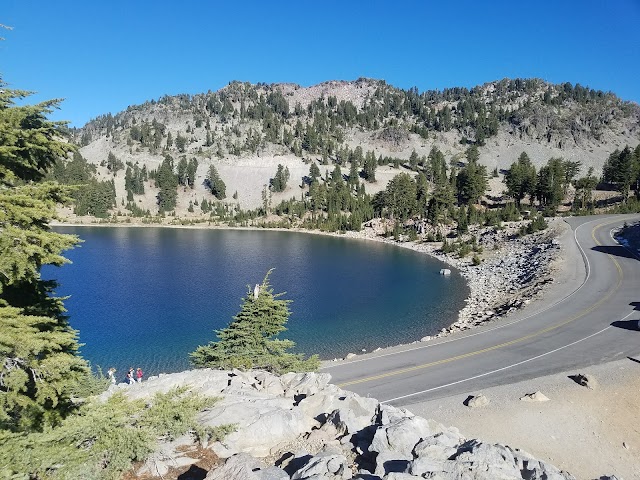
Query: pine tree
(521, 179)
(249, 341)
(279, 182)
(41, 369)
(472, 181)
(167, 181)
(215, 183)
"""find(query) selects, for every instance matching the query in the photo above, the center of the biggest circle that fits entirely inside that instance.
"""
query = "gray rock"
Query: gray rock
(401, 436)
(355, 412)
(390, 414)
(244, 467)
(586, 380)
(535, 397)
(388, 462)
(269, 384)
(477, 401)
(305, 383)
(169, 455)
(432, 449)
(489, 462)
(260, 430)
(400, 476)
(324, 465)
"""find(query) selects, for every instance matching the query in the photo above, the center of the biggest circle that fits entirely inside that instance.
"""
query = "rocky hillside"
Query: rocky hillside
(299, 426)
(246, 130)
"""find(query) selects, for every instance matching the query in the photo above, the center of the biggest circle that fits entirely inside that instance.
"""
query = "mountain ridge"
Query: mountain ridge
(246, 129)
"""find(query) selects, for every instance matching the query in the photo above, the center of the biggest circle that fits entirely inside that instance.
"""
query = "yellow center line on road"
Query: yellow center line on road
(511, 342)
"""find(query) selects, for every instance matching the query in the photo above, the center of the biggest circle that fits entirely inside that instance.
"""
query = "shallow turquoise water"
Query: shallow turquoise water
(148, 296)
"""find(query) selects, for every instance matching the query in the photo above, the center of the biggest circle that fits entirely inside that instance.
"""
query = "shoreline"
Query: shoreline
(514, 273)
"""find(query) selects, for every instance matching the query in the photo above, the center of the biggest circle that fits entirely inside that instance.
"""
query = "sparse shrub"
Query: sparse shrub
(105, 438)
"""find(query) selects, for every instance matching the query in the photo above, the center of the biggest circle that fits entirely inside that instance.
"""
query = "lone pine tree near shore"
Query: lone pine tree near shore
(249, 340)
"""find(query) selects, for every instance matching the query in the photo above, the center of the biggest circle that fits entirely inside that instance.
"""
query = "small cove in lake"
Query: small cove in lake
(147, 296)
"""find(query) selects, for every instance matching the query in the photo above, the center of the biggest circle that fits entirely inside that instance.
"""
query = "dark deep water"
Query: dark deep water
(148, 296)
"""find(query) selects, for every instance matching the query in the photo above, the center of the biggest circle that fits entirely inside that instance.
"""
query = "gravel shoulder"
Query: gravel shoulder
(587, 432)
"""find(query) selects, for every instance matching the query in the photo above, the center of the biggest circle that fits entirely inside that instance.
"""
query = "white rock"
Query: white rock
(324, 465)
(535, 397)
(477, 401)
(245, 467)
(401, 436)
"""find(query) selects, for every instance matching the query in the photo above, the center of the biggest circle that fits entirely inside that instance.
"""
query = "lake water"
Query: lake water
(148, 296)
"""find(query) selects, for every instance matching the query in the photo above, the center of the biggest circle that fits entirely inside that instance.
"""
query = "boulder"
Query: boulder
(586, 380)
(244, 467)
(259, 431)
(535, 397)
(388, 462)
(355, 412)
(324, 465)
(306, 383)
(389, 414)
(476, 401)
(488, 462)
(169, 454)
(400, 436)
(396, 476)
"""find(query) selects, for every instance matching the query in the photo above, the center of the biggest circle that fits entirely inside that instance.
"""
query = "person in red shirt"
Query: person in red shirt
(139, 374)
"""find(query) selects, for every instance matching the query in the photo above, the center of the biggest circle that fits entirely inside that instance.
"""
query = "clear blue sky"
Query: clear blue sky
(103, 56)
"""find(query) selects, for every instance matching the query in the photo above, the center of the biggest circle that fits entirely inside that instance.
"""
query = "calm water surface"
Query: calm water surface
(148, 296)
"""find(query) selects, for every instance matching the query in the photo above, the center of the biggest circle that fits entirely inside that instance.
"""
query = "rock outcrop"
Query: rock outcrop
(299, 426)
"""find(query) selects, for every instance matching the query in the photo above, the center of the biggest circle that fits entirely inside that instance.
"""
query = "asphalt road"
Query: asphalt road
(592, 322)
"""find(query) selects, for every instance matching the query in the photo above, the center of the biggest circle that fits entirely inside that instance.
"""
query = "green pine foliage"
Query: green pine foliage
(167, 182)
(279, 182)
(40, 370)
(472, 180)
(251, 339)
(521, 179)
(622, 169)
(216, 184)
(104, 438)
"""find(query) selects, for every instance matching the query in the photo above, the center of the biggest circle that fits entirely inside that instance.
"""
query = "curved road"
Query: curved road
(592, 324)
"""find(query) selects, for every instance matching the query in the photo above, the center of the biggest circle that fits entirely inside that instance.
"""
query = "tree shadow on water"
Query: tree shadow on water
(615, 250)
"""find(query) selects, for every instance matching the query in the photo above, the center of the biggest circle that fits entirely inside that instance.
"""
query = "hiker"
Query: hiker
(130, 379)
(139, 374)
(111, 373)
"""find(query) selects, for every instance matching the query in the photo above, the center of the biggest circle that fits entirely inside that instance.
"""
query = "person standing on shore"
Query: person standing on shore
(139, 374)
(111, 373)
(130, 379)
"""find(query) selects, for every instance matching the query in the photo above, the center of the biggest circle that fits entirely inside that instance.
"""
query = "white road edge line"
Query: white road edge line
(588, 269)
(503, 368)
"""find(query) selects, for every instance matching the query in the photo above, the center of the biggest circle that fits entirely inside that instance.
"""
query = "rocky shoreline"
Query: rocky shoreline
(514, 270)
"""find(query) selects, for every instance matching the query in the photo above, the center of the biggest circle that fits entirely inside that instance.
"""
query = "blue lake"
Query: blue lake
(148, 296)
